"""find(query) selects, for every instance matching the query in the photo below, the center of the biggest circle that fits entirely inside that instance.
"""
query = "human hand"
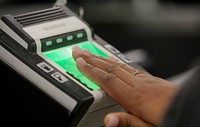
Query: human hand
(122, 119)
(141, 94)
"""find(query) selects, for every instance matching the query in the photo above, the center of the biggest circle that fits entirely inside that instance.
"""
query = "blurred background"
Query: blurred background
(161, 35)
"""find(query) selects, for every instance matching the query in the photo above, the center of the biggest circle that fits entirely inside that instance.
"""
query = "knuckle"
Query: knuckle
(123, 65)
(88, 58)
(109, 78)
(113, 67)
(89, 67)
(84, 55)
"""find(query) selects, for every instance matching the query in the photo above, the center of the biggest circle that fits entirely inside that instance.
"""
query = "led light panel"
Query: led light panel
(63, 57)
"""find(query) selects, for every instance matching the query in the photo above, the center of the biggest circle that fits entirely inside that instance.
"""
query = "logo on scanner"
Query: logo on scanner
(54, 26)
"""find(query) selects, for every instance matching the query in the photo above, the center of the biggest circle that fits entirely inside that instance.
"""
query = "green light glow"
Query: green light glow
(63, 57)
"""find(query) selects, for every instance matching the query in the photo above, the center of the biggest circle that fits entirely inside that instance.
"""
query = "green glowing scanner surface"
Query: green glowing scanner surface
(63, 57)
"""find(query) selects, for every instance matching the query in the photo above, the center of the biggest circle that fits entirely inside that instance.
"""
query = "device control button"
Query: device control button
(59, 77)
(124, 58)
(112, 49)
(45, 67)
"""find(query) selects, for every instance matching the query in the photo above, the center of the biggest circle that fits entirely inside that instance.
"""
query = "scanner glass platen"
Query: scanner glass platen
(63, 57)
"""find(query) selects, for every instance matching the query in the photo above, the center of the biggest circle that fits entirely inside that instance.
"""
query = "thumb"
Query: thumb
(122, 119)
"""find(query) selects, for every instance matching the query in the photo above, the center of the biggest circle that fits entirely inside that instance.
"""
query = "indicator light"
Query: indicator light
(79, 35)
(69, 38)
(59, 40)
(48, 43)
